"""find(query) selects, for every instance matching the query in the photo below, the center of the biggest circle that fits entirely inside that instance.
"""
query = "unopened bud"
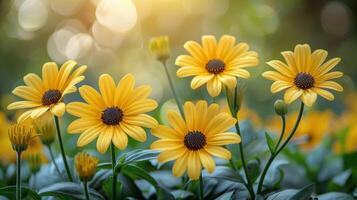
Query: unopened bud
(280, 107)
(160, 47)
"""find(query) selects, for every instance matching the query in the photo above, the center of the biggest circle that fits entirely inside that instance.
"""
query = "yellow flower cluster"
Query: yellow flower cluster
(20, 136)
(85, 166)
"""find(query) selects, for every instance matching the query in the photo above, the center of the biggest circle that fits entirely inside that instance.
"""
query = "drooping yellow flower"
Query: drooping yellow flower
(20, 136)
(112, 115)
(44, 126)
(160, 47)
(216, 63)
(85, 166)
(192, 142)
(304, 75)
(46, 94)
(313, 127)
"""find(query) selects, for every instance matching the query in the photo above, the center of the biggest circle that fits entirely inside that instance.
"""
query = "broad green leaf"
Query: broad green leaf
(135, 172)
(225, 173)
(274, 174)
(226, 196)
(253, 170)
(105, 165)
(349, 160)
(140, 155)
(335, 196)
(68, 190)
(342, 178)
(182, 194)
(304, 194)
(270, 143)
(10, 192)
(108, 185)
(282, 195)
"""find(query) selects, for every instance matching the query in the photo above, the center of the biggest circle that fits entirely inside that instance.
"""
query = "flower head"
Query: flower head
(304, 75)
(46, 94)
(34, 161)
(45, 128)
(113, 114)
(85, 166)
(160, 47)
(216, 63)
(20, 136)
(192, 142)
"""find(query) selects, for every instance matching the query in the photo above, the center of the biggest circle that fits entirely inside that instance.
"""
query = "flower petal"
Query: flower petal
(91, 96)
(220, 123)
(224, 139)
(278, 86)
(180, 165)
(58, 109)
(218, 152)
(194, 165)
(214, 87)
(177, 122)
(209, 46)
(308, 97)
(49, 75)
(141, 120)
(90, 134)
(107, 89)
(207, 161)
(200, 80)
(172, 154)
(195, 50)
(120, 139)
(292, 94)
(166, 132)
(104, 139)
(136, 132)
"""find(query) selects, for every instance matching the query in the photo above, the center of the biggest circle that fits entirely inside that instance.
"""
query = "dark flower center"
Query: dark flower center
(215, 66)
(195, 140)
(304, 81)
(51, 97)
(112, 116)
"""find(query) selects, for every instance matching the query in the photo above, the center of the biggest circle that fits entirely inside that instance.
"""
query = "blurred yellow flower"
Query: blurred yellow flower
(112, 115)
(85, 166)
(160, 47)
(47, 93)
(44, 126)
(192, 142)
(34, 162)
(216, 64)
(304, 75)
(313, 127)
(20, 136)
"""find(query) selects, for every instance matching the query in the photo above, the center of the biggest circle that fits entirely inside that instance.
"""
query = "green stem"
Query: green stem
(53, 160)
(114, 186)
(177, 99)
(272, 156)
(201, 188)
(282, 132)
(244, 165)
(18, 176)
(62, 149)
(85, 187)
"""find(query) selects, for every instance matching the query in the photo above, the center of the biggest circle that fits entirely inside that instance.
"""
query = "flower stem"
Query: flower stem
(201, 187)
(85, 187)
(244, 165)
(62, 149)
(177, 99)
(18, 176)
(53, 160)
(273, 155)
(114, 186)
(282, 133)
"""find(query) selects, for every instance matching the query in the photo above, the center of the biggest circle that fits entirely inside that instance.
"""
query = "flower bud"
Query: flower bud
(235, 97)
(45, 128)
(280, 107)
(20, 136)
(85, 166)
(160, 47)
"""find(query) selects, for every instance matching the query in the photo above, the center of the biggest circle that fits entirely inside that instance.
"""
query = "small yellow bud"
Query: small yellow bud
(235, 97)
(20, 136)
(45, 128)
(85, 166)
(160, 47)
(34, 161)
(280, 107)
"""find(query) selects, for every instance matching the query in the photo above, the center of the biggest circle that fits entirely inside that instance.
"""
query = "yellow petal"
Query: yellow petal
(90, 134)
(104, 139)
(49, 75)
(278, 86)
(124, 89)
(190, 71)
(207, 161)
(200, 80)
(220, 123)
(139, 93)
(324, 93)
(330, 85)
(82, 124)
(58, 109)
(185, 60)
(34, 81)
(225, 44)
(166, 144)
(331, 75)
(195, 50)
(327, 66)
(290, 60)
(214, 87)
(201, 109)
(166, 132)
(28, 93)
(120, 139)
(218, 152)
(64, 73)
(242, 73)
(317, 58)
(180, 165)
(177, 122)
(276, 76)
(141, 106)
(281, 68)
(37, 112)
(80, 109)
(136, 132)
(236, 52)
(107, 89)
(24, 116)
(190, 116)
(22, 105)
(91, 96)
(141, 120)
(242, 62)
(209, 45)
(292, 94)
(193, 165)
(229, 81)
(172, 154)
(224, 139)
(308, 97)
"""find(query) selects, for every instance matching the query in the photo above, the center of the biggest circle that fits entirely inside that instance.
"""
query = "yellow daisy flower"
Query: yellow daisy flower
(47, 93)
(216, 64)
(192, 142)
(304, 75)
(112, 115)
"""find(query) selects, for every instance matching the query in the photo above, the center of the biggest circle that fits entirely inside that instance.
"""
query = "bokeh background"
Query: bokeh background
(112, 36)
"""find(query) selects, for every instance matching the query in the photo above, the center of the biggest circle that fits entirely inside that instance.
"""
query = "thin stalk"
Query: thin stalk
(282, 132)
(114, 185)
(54, 160)
(62, 149)
(85, 187)
(18, 176)
(272, 156)
(201, 188)
(177, 99)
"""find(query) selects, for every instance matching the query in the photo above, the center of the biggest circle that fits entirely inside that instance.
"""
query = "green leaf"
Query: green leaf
(141, 155)
(105, 165)
(135, 172)
(349, 160)
(10, 192)
(226, 173)
(253, 170)
(68, 190)
(282, 195)
(304, 194)
(108, 185)
(270, 143)
(335, 196)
